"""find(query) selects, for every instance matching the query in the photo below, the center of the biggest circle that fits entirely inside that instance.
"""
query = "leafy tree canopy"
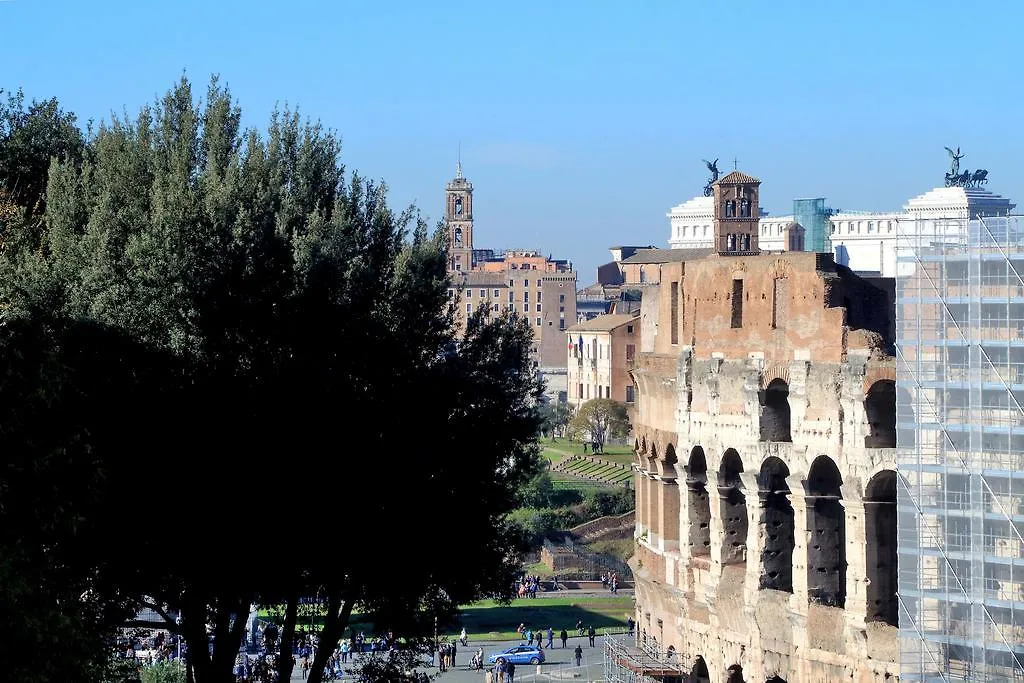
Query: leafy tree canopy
(289, 374)
(599, 419)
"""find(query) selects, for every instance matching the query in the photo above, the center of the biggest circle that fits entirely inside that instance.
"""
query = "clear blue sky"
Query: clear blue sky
(581, 123)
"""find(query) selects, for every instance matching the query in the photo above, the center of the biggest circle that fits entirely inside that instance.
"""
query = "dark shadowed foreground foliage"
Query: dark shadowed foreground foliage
(231, 376)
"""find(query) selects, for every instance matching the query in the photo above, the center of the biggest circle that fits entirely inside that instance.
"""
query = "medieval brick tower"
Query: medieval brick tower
(458, 216)
(737, 213)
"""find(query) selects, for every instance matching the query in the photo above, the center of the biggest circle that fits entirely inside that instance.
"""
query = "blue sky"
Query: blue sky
(581, 123)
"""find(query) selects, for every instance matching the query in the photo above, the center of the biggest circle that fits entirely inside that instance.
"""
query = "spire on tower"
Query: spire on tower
(458, 164)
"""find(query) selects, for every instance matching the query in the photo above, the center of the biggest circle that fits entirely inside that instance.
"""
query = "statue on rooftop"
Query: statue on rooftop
(713, 167)
(953, 177)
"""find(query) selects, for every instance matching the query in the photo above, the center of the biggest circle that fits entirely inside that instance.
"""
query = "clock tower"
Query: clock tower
(737, 214)
(458, 217)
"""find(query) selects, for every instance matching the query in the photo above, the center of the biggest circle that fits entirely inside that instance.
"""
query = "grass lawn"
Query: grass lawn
(556, 450)
(489, 620)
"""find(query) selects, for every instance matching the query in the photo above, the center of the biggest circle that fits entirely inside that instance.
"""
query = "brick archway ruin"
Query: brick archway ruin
(733, 508)
(698, 504)
(881, 556)
(778, 526)
(826, 520)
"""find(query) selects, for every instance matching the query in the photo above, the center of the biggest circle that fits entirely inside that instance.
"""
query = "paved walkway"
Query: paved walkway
(559, 664)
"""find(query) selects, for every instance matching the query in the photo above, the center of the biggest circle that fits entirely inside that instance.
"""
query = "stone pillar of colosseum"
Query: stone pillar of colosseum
(717, 531)
(755, 535)
(856, 560)
(681, 580)
(639, 489)
(802, 533)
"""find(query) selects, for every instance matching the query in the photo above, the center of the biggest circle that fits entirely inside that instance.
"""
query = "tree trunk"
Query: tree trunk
(217, 668)
(285, 663)
(334, 627)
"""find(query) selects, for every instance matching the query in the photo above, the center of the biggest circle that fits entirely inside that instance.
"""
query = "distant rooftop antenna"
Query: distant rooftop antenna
(458, 163)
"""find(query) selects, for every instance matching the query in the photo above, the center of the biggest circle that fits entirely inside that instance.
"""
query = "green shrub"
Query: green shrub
(164, 672)
(604, 502)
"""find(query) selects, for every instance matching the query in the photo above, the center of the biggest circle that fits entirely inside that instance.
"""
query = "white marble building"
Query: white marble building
(867, 242)
(864, 241)
(691, 228)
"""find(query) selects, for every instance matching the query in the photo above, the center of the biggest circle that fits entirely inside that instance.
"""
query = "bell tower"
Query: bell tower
(458, 217)
(737, 213)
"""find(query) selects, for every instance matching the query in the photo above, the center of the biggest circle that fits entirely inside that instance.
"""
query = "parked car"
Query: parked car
(520, 654)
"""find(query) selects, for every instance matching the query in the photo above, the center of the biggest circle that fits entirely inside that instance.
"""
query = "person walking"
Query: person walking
(565, 638)
(590, 634)
(510, 672)
(551, 637)
(579, 654)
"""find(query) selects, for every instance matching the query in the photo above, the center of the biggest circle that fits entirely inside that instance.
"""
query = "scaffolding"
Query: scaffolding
(960, 448)
(626, 661)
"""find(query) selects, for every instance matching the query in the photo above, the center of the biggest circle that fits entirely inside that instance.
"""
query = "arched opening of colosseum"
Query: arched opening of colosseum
(775, 411)
(699, 673)
(880, 522)
(906, 434)
(778, 530)
(735, 674)
(826, 547)
(880, 410)
(776, 679)
(734, 508)
(698, 505)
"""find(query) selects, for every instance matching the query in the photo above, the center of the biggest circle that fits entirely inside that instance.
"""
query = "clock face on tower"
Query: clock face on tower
(458, 206)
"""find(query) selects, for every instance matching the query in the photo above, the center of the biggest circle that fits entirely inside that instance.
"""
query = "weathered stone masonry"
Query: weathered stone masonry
(765, 470)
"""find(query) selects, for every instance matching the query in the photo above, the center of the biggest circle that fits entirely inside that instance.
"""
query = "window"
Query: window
(561, 324)
(579, 394)
(497, 293)
(538, 295)
(526, 283)
(469, 308)
(539, 283)
(526, 308)
(630, 351)
(510, 297)
(538, 308)
(526, 296)
(538, 322)
(469, 293)
(483, 293)
(451, 293)
(780, 302)
(458, 266)
(607, 391)
(629, 393)
(511, 283)
(744, 208)
(561, 309)
(674, 323)
(495, 308)
(737, 303)
(629, 329)
(561, 298)
(730, 209)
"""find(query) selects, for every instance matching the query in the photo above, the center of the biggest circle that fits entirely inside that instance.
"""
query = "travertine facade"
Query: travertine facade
(765, 466)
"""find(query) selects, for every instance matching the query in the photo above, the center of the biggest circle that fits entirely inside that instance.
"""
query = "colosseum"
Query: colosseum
(765, 462)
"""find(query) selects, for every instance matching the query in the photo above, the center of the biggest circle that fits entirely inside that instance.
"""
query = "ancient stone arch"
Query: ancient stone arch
(826, 546)
(776, 572)
(880, 411)
(699, 673)
(733, 508)
(881, 557)
(698, 504)
(773, 371)
(775, 420)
